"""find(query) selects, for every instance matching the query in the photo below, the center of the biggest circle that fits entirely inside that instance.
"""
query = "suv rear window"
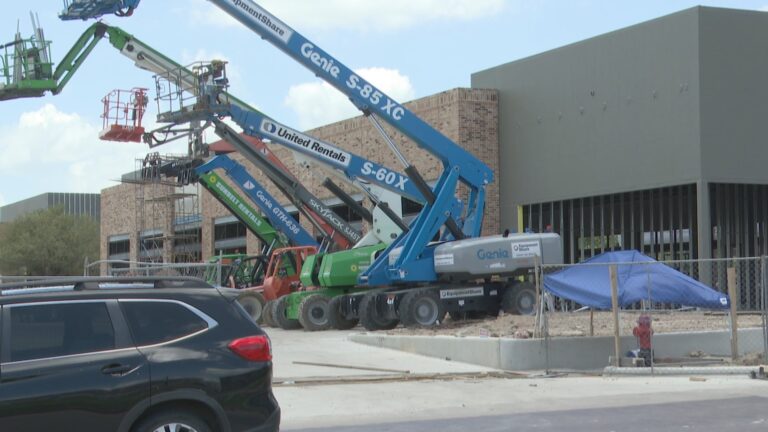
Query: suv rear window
(154, 322)
(59, 329)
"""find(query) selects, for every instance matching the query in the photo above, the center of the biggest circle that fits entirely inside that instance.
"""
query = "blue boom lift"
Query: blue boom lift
(87, 9)
(418, 280)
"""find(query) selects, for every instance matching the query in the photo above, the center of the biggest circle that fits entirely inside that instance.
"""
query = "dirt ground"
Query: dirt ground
(573, 324)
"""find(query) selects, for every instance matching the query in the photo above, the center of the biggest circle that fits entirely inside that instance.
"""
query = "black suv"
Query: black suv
(132, 355)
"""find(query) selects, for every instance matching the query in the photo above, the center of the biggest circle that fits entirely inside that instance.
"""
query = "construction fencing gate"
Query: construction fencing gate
(679, 334)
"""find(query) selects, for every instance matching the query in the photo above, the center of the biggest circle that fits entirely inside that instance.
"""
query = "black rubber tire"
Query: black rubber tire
(370, 318)
(279, 317)
(421, 308)
(313, 313)
(337, 320)
(158, 420)
(253, 303)
(266, 315)
(520, 299)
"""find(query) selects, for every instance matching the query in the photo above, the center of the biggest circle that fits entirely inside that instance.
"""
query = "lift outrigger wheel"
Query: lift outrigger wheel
(122, 115)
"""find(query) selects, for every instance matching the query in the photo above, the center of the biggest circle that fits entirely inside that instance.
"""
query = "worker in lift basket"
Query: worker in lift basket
(643, 333)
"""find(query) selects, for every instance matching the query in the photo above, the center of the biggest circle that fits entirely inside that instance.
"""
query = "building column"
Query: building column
(252, 243)
(704, 221)
(135, 247)
(206, 238)
(704, 232)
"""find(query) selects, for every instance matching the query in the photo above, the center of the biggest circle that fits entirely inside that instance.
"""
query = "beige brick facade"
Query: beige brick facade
(130, 208)
(467, 116)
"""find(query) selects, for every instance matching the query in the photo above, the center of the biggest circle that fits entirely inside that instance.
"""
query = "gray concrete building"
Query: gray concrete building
(80, 204)
(652, 137)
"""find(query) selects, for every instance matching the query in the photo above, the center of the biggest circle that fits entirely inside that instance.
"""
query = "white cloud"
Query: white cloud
(205, 13)
(379, 15)
(763, 8)
(317, 103)
(52, 151)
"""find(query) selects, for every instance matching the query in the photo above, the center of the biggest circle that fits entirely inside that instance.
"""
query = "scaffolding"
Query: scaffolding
(167, 209)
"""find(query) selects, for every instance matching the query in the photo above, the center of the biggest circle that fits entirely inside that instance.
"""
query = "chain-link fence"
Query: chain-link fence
(681, 313)
(211, 272)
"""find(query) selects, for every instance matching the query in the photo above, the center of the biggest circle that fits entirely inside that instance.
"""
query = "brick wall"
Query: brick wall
(120, 215)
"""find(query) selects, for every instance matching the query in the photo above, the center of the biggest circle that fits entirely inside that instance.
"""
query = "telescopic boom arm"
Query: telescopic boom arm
(271, 208)
(459, 165)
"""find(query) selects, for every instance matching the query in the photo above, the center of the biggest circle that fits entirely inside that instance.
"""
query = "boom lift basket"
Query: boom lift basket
(191, 92)
(25, 67)
(122, 115)
(86, 9)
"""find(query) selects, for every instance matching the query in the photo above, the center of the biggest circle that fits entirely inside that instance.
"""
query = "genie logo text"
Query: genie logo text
(492, 254)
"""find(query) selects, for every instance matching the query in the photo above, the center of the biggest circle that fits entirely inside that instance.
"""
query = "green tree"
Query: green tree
(48, 243)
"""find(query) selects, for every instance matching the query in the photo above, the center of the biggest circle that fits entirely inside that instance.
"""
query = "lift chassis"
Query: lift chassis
(383, 309)
(477, 277)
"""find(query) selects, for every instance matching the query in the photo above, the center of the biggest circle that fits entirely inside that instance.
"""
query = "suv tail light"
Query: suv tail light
(252, 348)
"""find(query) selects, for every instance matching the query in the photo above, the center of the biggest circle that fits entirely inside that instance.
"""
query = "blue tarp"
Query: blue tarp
(590, 285)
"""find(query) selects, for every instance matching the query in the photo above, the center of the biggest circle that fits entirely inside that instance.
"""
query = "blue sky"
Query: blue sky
(409, 48)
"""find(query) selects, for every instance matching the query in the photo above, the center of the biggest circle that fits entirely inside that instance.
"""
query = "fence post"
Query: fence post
(764, 269)
(733, 293)
(218, 280)
(537, 279)
(615, 309)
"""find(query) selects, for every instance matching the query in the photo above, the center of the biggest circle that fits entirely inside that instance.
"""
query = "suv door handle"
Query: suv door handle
(116, 369)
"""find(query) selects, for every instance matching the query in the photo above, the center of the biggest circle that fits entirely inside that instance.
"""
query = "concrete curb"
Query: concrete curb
(571, 353)
(362, 379)
(684, 371)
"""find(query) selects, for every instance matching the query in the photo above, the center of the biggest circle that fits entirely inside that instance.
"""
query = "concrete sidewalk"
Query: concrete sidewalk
(335, 348)
(359, 402)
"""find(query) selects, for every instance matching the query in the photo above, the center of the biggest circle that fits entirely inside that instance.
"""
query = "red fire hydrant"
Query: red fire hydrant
(643, 333)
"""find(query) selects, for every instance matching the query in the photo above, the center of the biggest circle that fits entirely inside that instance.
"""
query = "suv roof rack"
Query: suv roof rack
(81, 283)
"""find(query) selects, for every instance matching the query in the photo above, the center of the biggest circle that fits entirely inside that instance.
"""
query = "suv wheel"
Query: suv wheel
(173, 421)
